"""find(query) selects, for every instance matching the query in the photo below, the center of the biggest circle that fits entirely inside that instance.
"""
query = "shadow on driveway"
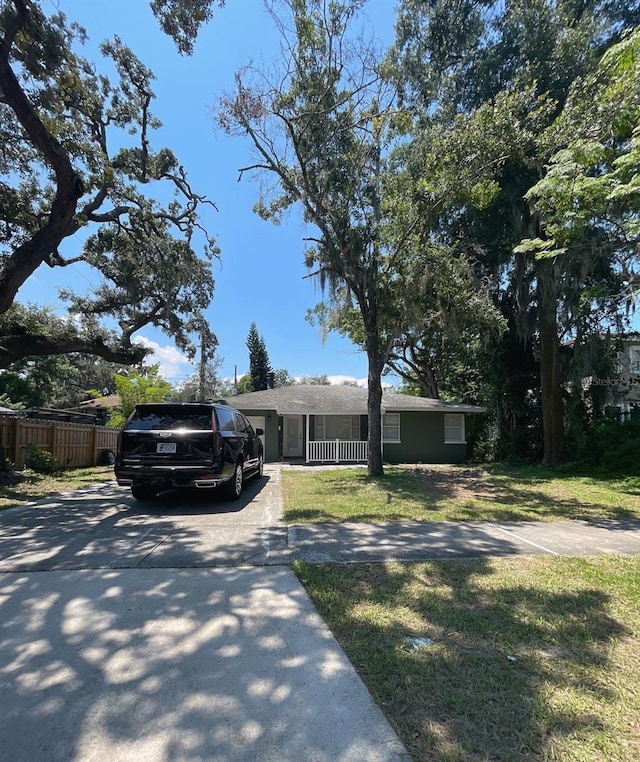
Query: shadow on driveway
(106, 528)
(215, 664)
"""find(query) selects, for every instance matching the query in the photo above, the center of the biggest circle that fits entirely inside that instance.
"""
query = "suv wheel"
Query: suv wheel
(233, 487)
(143, 493)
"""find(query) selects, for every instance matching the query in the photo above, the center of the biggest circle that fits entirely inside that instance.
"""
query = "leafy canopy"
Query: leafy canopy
(77, 169)
(137, 387)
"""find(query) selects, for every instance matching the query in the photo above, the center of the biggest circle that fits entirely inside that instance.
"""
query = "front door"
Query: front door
(292, 436)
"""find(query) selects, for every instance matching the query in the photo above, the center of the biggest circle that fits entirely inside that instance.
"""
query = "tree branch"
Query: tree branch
(25, 259)
(16, 347)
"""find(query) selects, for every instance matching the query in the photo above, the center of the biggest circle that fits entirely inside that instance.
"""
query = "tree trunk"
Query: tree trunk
(429, 383)
(374, 405)
(550, 377)
(21, 263)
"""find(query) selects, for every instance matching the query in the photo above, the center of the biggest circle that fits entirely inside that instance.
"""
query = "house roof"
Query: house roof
(328, 400)
(9, 411)
(111, 400)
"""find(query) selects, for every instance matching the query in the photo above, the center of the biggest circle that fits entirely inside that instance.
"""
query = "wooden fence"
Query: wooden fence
(71, 444)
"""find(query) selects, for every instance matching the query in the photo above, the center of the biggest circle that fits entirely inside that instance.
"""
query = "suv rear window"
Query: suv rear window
(170, 419)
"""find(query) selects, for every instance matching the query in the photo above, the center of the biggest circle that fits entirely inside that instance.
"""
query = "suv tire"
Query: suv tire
(143, 493)
(233, 488)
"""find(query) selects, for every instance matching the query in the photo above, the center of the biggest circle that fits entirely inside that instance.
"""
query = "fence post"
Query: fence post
(16, 447)
(54, 449)
(94, 445)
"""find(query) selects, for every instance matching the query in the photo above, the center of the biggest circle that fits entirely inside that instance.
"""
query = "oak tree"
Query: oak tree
(75, 188)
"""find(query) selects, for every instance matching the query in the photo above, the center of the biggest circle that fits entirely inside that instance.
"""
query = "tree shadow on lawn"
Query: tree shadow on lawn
(455, 493)
(510, 496)
(481, 689)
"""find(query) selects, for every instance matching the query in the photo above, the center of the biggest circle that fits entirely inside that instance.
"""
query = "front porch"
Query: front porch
(328, 425)
(325, 438)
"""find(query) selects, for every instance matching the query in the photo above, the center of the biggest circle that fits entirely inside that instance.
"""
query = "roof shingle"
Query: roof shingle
(327, 400)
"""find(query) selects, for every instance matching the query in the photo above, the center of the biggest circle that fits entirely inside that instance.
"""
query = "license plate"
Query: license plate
(166, 447)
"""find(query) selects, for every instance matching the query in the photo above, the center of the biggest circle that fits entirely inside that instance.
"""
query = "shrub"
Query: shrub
(41, 461)
(613, 446)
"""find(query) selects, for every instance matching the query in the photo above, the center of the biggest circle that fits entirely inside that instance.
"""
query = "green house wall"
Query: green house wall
(422, 441)
(421, 435)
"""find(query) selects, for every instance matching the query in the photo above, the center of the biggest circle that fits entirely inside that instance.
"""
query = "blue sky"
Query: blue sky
(261, 274)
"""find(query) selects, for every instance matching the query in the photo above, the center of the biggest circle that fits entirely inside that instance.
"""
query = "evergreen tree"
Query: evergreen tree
(259, 365)
(507, 101)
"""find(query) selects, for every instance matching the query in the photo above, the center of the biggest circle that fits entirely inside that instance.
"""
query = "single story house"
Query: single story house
(328, 424)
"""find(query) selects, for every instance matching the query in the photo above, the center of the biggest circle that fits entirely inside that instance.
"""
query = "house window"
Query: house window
(454, 428)
(391, 427)
(343, 427)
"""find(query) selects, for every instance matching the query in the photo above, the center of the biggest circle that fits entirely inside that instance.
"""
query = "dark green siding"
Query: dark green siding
(421, 434)
(422, 441)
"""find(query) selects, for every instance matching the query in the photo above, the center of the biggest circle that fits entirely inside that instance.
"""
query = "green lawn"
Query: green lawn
(450, 493)
(38, 486)
(530, 659)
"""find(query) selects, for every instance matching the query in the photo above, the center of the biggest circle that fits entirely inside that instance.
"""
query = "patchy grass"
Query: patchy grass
(38, 486)
(454, 493)
(531, 658)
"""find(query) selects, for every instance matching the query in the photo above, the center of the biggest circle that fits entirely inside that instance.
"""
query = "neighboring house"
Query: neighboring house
(328, 424)
(625, 394)
(100, 407)
(54, 414)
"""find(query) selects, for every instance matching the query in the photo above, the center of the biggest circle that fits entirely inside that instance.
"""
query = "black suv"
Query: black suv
(187, 444)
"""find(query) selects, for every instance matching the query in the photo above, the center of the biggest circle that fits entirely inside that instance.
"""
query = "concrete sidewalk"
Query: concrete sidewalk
(427, 541)
(120, 640)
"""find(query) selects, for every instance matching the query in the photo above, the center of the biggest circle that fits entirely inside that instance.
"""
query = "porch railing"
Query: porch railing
(337, 451)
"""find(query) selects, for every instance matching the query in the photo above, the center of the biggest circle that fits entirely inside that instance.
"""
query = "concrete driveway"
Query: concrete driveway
(104, 527)
(119, 640)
